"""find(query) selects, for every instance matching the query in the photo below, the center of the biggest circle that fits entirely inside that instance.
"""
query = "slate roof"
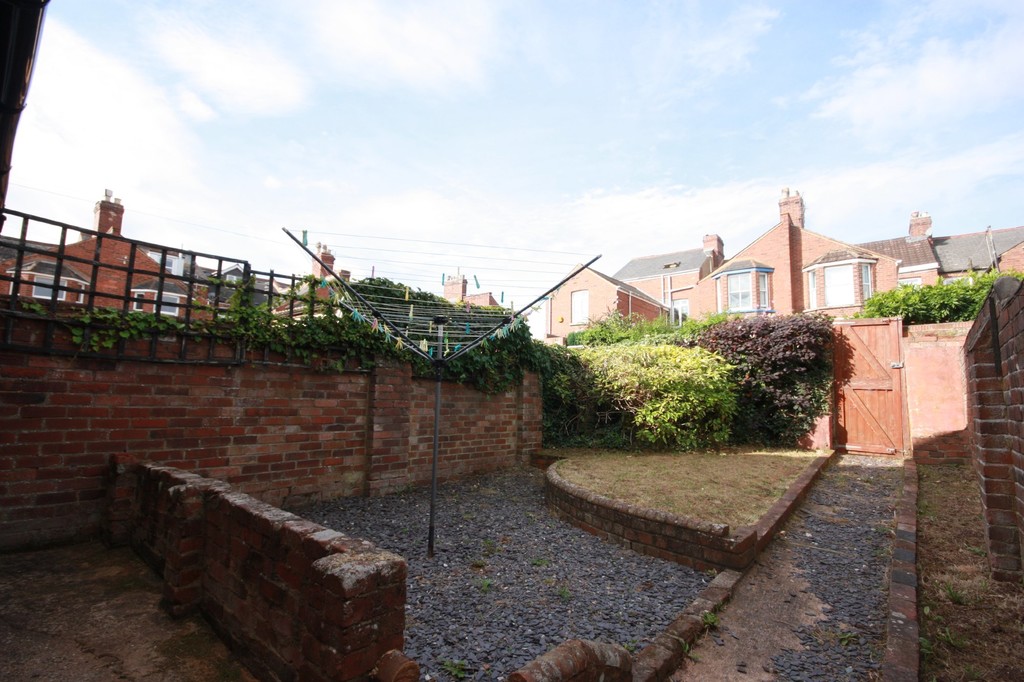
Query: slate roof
(629, 288)
(661, 264)
(909, 251)
(837, 255)
(49, 268)
(743, 264)
(961, 252)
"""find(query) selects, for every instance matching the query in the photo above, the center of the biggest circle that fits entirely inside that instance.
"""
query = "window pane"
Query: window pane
(865, 275)
(762, 290)
(812, 291)
(680, 311)
(580, 307)
(839, 285)
(168, 304)
(739, 291)
(42, 287)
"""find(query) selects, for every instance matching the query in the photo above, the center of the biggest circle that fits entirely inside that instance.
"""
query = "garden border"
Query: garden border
(684, 540)
(902, 646)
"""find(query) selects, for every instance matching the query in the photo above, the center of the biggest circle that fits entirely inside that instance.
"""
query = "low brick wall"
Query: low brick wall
(691, 542)
(293, 599)
(936, 391)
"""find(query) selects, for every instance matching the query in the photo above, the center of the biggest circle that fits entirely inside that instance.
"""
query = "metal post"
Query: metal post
(438, 367)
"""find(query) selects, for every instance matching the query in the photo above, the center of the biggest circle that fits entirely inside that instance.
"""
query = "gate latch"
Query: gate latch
(896, 365)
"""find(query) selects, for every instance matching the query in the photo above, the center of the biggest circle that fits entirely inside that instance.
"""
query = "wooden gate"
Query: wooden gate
(869, 386)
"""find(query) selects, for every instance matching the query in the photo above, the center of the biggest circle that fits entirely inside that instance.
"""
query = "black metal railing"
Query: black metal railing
(70, 290)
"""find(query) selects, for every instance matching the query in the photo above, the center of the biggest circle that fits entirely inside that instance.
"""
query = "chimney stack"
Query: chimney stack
(324, 254)
(714, 247)
(920, 225)
(109, 213)
(792, 206)
(455, 288)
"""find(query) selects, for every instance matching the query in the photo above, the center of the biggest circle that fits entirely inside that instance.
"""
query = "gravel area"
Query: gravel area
(508, 581)
(842, 540)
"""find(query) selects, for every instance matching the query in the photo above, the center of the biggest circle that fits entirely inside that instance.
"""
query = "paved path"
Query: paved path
(814, 605)
(84, 613)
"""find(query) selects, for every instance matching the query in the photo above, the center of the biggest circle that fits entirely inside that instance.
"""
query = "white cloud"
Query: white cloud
(681, 56)
(903, 83)
(421, 45)
(193, 106)
(239, 71)
(93, 122)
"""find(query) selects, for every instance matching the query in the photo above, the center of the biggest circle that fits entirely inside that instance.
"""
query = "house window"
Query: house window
(865, 281)
(910, 282)
(839, 285)
(174, 264)
(139, 303)
(580, 307)
(739, 291)
(762, 291)
(169, 304)
(812, 290)
(680, 311)
(42, 287)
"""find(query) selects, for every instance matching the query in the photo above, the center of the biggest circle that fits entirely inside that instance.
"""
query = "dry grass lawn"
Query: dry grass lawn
(972, 628)
(734, 486)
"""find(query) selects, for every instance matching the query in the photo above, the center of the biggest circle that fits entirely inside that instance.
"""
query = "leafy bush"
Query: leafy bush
(957, 301)
(666, 395)
(571, 400)
(618, 328)
(784, 370)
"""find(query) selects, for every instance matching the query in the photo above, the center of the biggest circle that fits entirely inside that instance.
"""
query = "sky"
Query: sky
(508, 141)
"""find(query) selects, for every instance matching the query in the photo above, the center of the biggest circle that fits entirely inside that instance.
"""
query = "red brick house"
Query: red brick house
(590, 296)
(455, 291)
(100, 264)
(672, 277)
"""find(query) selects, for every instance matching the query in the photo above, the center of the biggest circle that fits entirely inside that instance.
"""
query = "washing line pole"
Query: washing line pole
(440, 321)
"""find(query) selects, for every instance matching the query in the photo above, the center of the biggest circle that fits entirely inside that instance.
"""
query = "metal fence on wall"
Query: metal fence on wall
(73, 281)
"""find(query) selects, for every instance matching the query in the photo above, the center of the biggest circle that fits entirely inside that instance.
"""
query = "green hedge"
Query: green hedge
(957, 301)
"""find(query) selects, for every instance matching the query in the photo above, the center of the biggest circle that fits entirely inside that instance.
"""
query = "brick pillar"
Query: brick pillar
(531, 417)
(388, 427)
(122, 483)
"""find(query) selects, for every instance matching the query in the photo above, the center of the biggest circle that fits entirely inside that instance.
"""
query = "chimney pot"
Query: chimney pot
(791, 206)
(920, 225)
(108, 214)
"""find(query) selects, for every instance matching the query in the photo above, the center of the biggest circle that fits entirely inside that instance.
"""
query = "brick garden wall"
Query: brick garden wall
(284, 434)
(295, 600)
(995, 382)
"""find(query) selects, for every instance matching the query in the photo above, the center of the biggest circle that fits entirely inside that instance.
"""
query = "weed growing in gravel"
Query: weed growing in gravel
(490, 548)
(478, 564)
(847, 638)
(485, 585)
(630, 646)
(564, 593)
(456, 669)
(927, 648)
(541, 562)
(976, 551)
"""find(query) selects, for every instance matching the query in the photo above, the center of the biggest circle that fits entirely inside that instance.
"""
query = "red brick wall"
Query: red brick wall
(936, 391)
(1013, 259)
(285, 434)
(995, 381)
(294, 599)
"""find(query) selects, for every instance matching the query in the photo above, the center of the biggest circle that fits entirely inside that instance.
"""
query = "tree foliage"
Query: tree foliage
(956, 301)
(783, 368)
(618, 328)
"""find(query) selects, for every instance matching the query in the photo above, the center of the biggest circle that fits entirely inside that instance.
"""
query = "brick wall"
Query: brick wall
(284, 434)
(936, 391)
(995, 383)
(295, 600)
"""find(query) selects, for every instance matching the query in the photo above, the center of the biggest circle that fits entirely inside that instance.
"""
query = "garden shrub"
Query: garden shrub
(618, 328)
(666, 395)
(784, 374)
(957, 301)
(571, 401)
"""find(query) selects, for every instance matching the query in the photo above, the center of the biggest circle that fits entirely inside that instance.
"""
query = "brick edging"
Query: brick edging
(902, 646)
(688, 541)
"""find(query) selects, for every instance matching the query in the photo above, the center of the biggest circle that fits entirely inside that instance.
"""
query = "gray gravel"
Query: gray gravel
(842, 539)
(508, 581)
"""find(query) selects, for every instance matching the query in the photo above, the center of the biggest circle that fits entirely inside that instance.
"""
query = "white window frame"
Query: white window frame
(739, 293)
(42, 287)
(812, 289)
(579, 307)
(839, 293)
(174, 263)
(680, 311)
(763, 290)
(170, 304)
(867, 288)
(910, 282)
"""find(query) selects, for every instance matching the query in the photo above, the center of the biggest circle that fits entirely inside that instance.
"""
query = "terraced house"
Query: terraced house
(788, 269)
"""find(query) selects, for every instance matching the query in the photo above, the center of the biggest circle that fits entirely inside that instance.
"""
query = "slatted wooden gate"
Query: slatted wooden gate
(869, 386)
